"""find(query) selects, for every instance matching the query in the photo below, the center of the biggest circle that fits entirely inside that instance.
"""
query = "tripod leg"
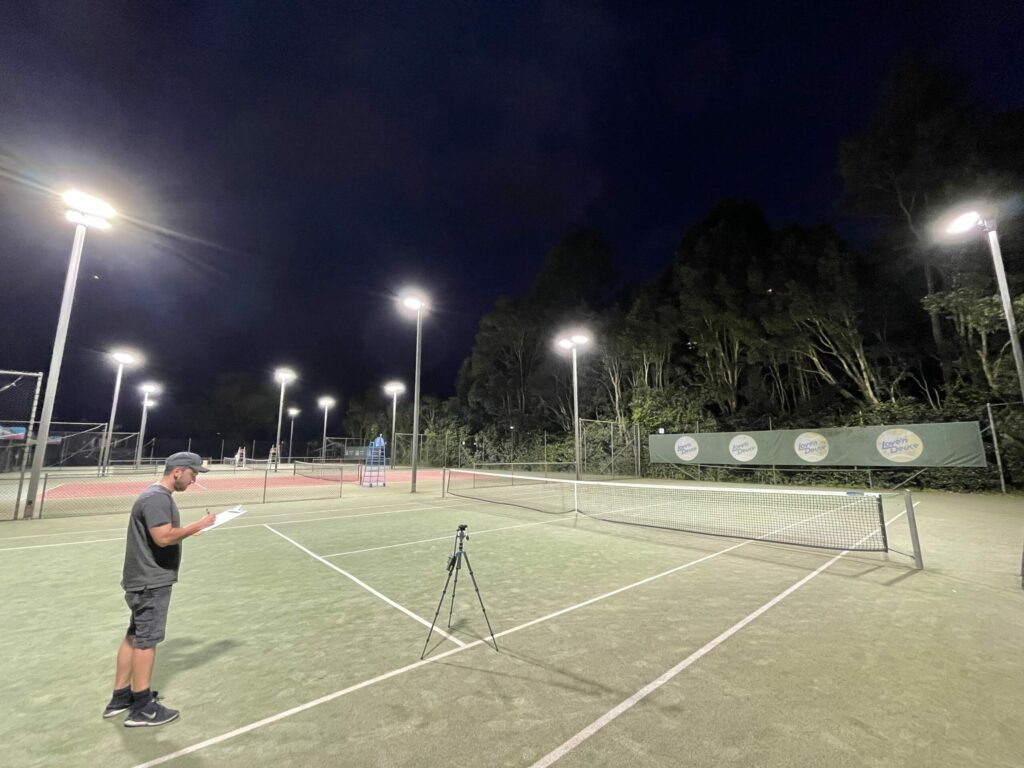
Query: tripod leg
(472, 576)
(432, 623)
(455, 585)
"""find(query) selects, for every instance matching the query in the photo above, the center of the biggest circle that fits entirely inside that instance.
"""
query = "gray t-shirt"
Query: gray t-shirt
(146, 564)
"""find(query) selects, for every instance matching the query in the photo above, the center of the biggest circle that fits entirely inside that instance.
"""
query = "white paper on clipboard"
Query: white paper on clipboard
(225, 517)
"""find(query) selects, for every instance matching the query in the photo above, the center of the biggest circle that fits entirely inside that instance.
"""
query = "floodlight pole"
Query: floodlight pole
(284, 376)
(1004, 293)
(142, 431)
(394, 422)
(291, 438)
(416, 398)
(576, 411)
(52, 378)
(108, 438)
(323, 448)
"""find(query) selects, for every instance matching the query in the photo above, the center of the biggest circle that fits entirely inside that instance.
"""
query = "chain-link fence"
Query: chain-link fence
(66, 493)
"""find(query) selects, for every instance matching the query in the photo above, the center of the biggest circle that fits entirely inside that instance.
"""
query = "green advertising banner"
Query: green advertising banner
(955, 444)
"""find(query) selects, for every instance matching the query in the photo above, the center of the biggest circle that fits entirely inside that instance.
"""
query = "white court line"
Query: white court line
(570, 744)
(232, 528)
(59, 544)
(401, 670)
(445, 538)
(416, 665)
(368, 588)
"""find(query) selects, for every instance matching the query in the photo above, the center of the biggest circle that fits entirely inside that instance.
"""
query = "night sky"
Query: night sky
(284, 168)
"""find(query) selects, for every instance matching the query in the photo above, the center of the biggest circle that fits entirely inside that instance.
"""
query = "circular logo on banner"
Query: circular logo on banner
(899, 445)
(811, 446)
(687, 448)
(743, 448)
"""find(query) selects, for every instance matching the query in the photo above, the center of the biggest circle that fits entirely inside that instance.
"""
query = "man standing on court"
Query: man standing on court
(151, 560)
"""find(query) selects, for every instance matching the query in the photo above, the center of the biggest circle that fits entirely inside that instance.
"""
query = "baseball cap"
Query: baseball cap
(186, 459)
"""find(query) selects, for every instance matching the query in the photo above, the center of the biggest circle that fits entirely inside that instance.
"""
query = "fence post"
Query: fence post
(42, 503)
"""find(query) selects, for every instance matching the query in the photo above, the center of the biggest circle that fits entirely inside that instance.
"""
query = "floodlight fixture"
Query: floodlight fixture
(326, 402)
(87, 205)
(150, 388)
(125, 357)
(285, 375)
(293, 412)
(963, 223)
(414, 301)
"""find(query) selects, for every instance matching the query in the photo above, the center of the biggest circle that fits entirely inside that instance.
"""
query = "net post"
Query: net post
(444, 480)
(266, 476)
(908, 499)
(576, 497)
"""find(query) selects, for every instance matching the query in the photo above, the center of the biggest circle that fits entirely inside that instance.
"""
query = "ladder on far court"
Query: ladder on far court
(375, 468)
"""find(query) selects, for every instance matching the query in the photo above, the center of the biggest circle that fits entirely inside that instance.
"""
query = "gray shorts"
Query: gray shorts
(149, 615)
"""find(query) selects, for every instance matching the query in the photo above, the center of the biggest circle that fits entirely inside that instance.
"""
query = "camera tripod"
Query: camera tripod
(454, 566)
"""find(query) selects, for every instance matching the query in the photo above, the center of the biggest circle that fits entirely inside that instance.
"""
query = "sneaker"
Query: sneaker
(153, 713)
(119, 704)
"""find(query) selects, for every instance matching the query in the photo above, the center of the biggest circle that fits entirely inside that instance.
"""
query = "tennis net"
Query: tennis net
(849, 520)
(334, 472)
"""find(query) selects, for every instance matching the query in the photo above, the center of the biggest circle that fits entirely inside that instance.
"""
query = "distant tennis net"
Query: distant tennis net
(334, 472)
(825, 519)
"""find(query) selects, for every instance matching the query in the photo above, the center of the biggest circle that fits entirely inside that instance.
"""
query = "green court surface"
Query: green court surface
(296, 631)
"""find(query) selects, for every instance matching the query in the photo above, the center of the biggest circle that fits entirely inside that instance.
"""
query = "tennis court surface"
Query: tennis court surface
(296, 631)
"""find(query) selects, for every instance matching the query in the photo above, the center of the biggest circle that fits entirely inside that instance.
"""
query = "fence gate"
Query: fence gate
(609, 449)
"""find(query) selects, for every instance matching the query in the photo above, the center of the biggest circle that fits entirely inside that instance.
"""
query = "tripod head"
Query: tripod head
(460, 536)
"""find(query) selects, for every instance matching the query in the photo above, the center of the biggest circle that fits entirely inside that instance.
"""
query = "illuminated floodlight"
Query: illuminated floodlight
(150, 388)
(573, 340)
(414, 300)
(79, 201)
(394, 387)
(326, 402)
(293, 412)
(125, 357)
(965, 222)
(285, 375)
